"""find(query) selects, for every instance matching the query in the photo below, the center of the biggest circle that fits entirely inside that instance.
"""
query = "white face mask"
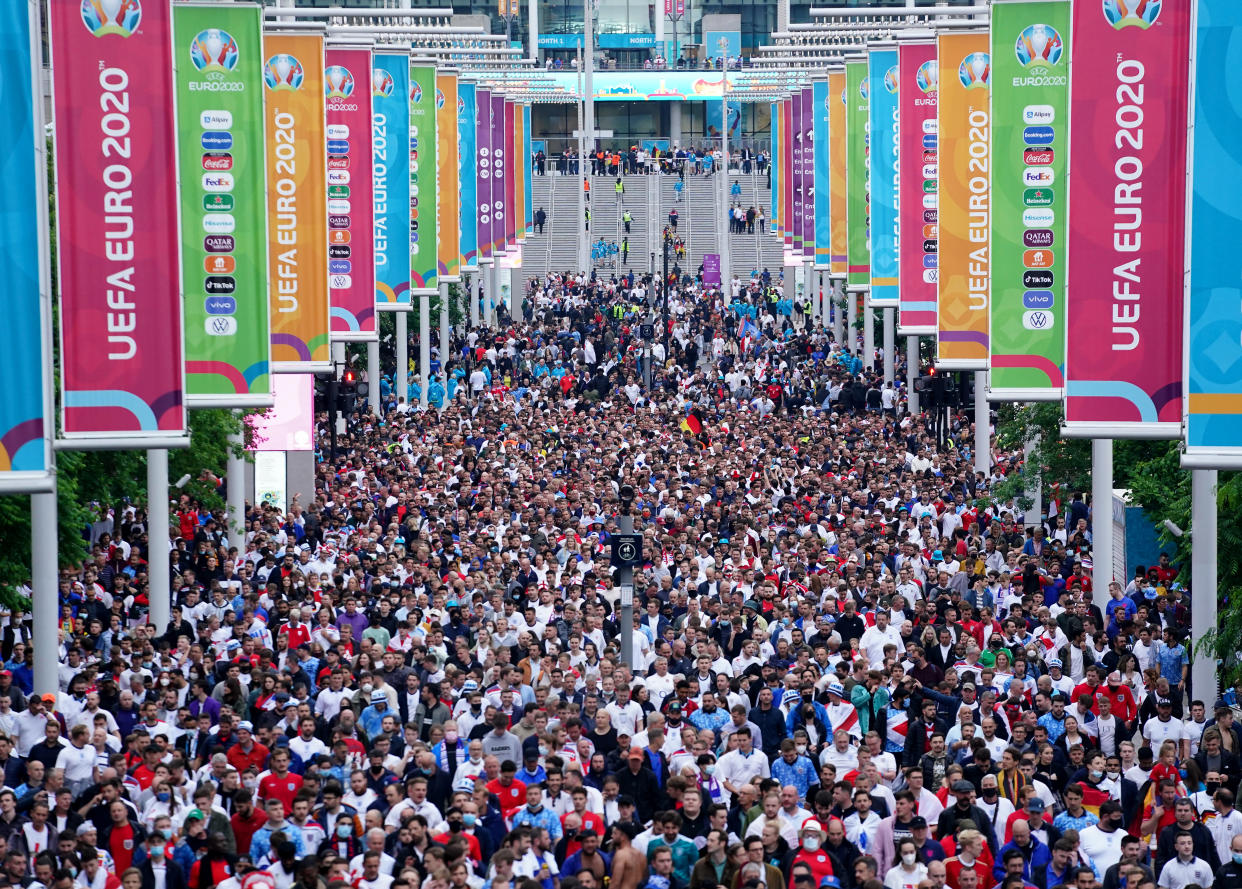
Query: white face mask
(907, 858)
(811, 843)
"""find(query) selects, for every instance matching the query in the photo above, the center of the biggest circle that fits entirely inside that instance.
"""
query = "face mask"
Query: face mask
(1114, 775)
(710, 768)
(801, 748)
(163, 797)
(451, 737)
(907, 858)
(1212, 786)
(1237, 857)
(366, 687)
(455, 826)
(469, 819)
(543, 750)
(811, 844)
(1096, 774)
(344, 831)
(166, 832)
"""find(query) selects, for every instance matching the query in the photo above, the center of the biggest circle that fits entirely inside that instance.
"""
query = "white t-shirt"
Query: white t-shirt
(1158, 732)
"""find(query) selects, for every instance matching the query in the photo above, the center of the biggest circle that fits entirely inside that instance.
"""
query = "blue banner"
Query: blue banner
(885, 245)
(390, 148)
(1213, 352)
(528, 208)
(822, 188)
(467, 149)
(24, 444)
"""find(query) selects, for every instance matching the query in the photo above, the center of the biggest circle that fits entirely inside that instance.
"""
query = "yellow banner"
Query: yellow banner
(836, 171)
(297, 202)
(521, 170)
(448, 207)
(964, 196)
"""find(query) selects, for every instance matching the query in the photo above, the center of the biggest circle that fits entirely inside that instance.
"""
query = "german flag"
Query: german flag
(692, 424)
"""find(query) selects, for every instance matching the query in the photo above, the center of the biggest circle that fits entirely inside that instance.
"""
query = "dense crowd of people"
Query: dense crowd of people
(854, 664)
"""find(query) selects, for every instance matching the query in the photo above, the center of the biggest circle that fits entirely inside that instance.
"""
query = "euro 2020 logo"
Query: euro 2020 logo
(214, 50)
(890, 80)
(439, 98)
(338, 83)
(381, 83)
(1124, 13)
(927, 77)
(1039, 46)
(103, 17)
(416, 92)
(864, 89)
(283, 72)
(975, 72)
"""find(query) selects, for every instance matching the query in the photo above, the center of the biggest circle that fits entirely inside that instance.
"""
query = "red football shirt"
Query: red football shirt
(283, 789)
(512, 797)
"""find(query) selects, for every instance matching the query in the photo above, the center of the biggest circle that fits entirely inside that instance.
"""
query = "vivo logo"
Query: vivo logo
(1038, 299)
(339, 266)
(220, 305)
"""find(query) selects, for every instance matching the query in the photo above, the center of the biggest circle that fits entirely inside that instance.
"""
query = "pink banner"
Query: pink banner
(483, 138)
(1127, 177)
(500, 154)
(289, 425)
(918, 258)
(351, 210)
(511, 155)
(122, 368)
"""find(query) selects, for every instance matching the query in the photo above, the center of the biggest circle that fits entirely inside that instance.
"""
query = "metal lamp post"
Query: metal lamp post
(726, 275)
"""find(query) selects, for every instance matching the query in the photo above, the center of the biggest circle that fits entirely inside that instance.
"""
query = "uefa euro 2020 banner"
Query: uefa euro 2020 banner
(529, 197)
(882, 75)
(509, 233)
(448, 172)
(1127, 181)
(218, 50)
(823, 188)
(918, 203)
(467, 173)
(962, 142)
(796, 177)
(297, 203)
(773, 211)
(806, 127)
(837, 106)
(121, 359)
(500, 172)
(351, 271)
(25, 410)
(857, 172)
(424, 272)
(390, 157)
(1030, 149)
(1214, 299)
(483, 169)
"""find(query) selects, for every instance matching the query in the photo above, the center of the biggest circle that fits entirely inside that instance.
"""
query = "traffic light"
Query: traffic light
(349, 390)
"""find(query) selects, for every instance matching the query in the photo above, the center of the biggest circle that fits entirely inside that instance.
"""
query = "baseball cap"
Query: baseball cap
(1163, 702)
(635, 754)
(918, 822)
(1035, 804)
(962, 786)
(1055, 662)
(245, 725)
(836, 688)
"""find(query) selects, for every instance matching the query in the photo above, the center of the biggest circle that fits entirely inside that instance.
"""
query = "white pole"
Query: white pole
(726, 266)
(373, 377)
(983, 438)
(235, 472)
(493, 279)
(890, 344)
(1203, 570)
(868, 333)
(838, 313)
(1101, 519)
(810, 298)
(338, 353)
(588, 59)
(912, 373)
(532, 24)
(424, 347)
(472, 297)
(400, 378)
(43, 573)
(444, 335)
(851, 319)
(159, 589)
(1034, 493)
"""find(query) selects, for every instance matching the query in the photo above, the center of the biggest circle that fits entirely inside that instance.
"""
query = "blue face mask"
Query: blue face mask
(468, 819)
(1237, 857)
(163, 797)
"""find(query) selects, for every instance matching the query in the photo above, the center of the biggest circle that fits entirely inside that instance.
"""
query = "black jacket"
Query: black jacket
(1205, 846)
(642, 787)
(173, 878)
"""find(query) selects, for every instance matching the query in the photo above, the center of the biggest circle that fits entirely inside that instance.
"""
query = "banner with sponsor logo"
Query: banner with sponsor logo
(511, 211)
(883, 109)
(858, 173)
(500, 173)
(424, 247)
(122, 366)
(837, 157)
(1123, 355)
(963, 198)
(297, 203)
(820, 175)
(351, 262)
(806, 129)
(528, 197)
(467, 178)
(25, 410)
(1030, 130)
(1213, 325)
(483, 189)
(448, 200)
(918, 201)
(390, 156)
(228, 351)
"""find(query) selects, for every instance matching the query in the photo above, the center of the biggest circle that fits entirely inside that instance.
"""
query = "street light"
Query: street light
(508, 11)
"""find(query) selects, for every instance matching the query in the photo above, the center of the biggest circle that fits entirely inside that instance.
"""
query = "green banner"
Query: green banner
(1030, 151)
(857, 172)
(218, 54)
(424, 268)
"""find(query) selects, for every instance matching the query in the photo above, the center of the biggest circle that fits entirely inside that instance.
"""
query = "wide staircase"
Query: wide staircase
(649, 200)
